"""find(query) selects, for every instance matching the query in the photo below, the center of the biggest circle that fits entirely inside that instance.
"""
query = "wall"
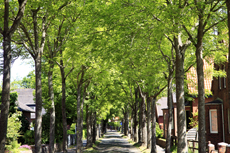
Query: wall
(215, 138)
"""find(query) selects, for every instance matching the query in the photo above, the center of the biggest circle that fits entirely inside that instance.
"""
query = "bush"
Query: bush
(159, 132)
(13, 147)
(194, 120)
(29, 137)
(13, 127)
(84, 133)
(24, 128)
(72, 129)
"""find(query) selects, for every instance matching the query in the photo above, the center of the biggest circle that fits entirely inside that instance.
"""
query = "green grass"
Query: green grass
(174, 149)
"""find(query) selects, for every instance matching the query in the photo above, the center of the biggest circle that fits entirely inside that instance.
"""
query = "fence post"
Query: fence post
(193, 145)
(228, 148)
(211, 147)
(222, 147)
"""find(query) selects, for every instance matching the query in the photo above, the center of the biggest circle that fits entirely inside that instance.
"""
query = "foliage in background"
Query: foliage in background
(13, 99)
(29, 137)
(159, 132)
(72, 129)
(25, 127)
(29, 81)
(13, 127)
(194, 120)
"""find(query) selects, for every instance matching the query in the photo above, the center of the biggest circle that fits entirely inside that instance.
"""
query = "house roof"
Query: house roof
(25, 96)
(192, 77)
(162, 104)
(215, 102)
(23, 107)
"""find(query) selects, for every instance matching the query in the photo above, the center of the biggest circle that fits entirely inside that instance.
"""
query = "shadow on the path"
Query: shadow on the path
(114, 143)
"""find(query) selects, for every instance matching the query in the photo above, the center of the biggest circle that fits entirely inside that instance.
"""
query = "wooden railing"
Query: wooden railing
(193, 147)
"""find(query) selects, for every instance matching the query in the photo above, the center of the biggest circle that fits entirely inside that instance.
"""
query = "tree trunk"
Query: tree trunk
(52, 108)
(126, 119)
(153, 104)
(37, 58)
(200, 77)
(89, 127)
(64, 120)
(136, 117)
(148, 122)
(79, 139)
(5, 90)
(82, 106)
(125, 126)
(144, 122)
(94, 127)
(140, 136)
(102, 128)
(98, 132)
(38, 120)
(132, 136)
(181, 121)
(169, 128)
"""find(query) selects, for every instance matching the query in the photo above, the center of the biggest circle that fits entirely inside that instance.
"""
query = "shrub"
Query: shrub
(72, 129)
(194, 120)
(174, 149)
(159, 132)
(84, 133)
(13, 127)
(29, 137)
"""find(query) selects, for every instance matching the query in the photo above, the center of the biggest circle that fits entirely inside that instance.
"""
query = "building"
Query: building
(26, 103)
(218, 110)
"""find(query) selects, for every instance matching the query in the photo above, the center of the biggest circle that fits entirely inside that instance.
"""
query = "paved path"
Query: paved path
(114, 143)
(160, 150)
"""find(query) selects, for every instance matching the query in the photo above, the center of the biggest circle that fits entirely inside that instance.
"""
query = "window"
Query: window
(213, 121)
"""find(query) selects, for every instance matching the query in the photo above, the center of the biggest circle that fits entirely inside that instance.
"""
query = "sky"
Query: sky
(21, 68)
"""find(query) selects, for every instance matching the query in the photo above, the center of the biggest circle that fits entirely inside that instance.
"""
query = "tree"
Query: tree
(205, 12)
(35, 48)
(28, 81)
(7, 33)
(171, 66)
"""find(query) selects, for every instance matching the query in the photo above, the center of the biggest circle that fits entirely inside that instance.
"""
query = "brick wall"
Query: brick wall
(215, 138)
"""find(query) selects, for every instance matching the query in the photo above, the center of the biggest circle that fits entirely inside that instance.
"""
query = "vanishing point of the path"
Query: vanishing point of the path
(114, 143)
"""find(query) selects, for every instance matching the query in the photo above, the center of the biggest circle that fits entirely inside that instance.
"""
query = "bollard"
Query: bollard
(228, 148)
(222, 147)
(211, 147)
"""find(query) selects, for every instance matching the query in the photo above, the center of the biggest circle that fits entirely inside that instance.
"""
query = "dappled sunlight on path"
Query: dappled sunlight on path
(114, 143)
